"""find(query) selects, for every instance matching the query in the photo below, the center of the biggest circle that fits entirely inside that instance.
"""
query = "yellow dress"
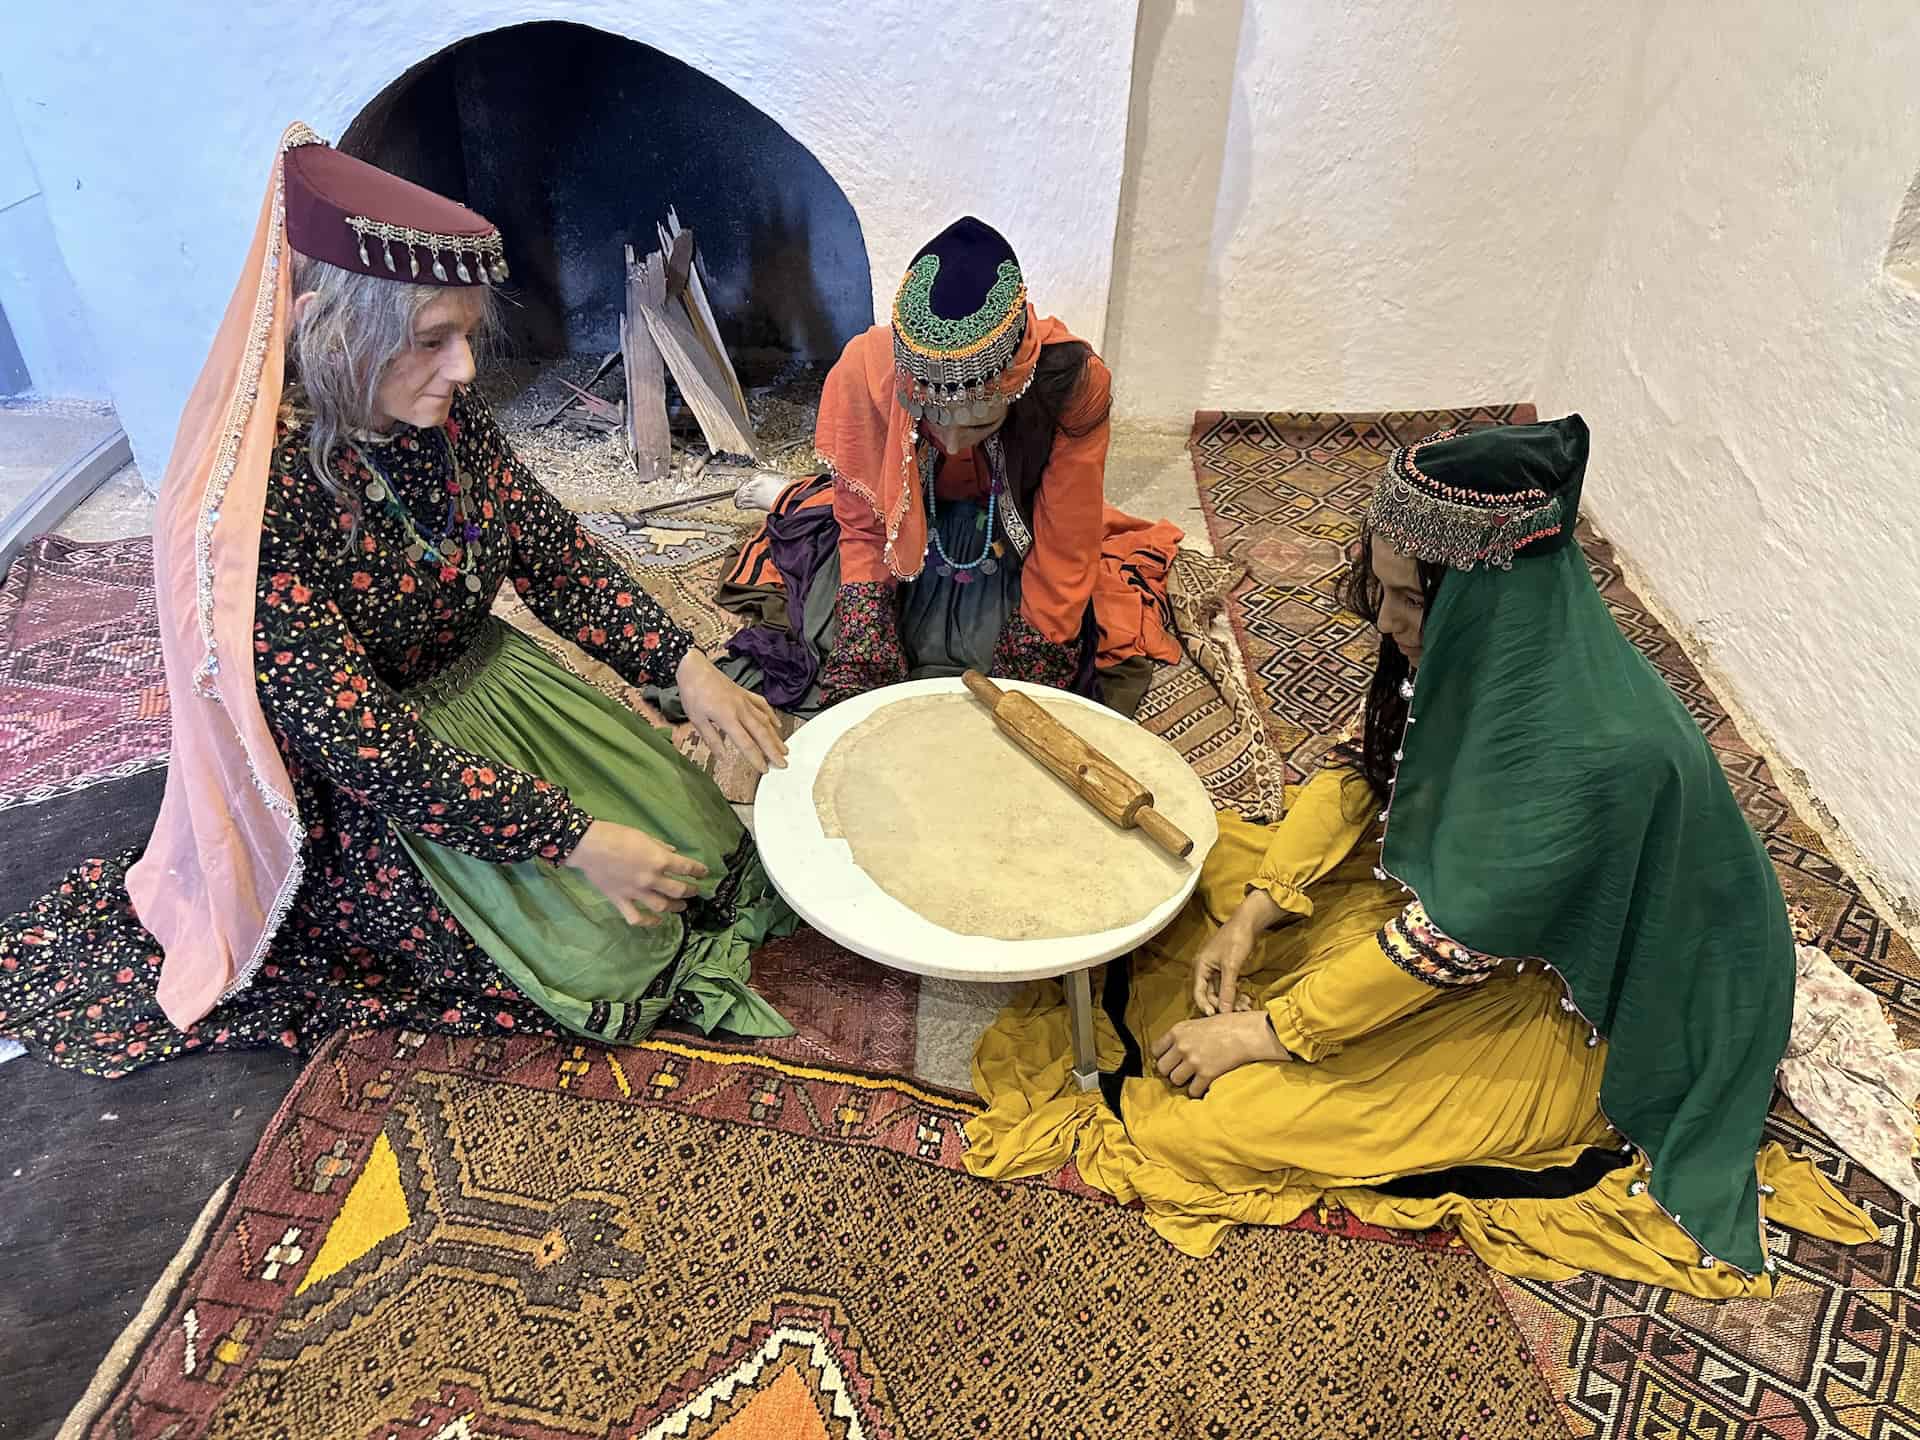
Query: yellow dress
(1394, 1077)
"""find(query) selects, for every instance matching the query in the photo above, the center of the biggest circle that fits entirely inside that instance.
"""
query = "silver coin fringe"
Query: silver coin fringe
(489, 252)
(1453, 533)
(939, 381)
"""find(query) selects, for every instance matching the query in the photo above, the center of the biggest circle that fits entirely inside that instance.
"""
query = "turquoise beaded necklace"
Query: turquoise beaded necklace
(945, 565)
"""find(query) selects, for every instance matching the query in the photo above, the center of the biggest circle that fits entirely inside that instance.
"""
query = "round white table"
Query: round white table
(818, 877)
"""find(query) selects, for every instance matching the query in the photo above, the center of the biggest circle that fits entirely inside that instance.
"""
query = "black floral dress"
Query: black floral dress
(347, 620)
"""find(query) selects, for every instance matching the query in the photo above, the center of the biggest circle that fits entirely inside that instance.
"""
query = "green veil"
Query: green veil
(1556, 802)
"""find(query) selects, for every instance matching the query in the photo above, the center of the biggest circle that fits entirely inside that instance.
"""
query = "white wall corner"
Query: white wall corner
(50, 324)
(1746, 346)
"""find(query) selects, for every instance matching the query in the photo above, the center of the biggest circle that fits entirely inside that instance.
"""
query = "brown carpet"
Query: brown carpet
(539, 1239)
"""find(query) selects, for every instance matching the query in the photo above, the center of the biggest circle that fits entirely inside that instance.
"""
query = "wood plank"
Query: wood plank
(606, 364)
(702, 309)
(649, 441)
(684, 329)
(594, 406)
(701, 382)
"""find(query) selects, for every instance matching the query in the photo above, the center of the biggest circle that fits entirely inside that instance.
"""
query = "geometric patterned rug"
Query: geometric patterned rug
(846, 1012)
(532, 1238)
(83, 695)
(1837, 1350)
(1201, 706)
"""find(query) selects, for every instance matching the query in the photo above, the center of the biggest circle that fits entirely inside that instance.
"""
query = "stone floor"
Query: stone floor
(39, 437)
(1150, 474)
(119, 508)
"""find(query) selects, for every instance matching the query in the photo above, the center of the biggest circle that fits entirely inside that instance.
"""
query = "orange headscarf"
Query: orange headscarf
(221, 869)
(870, 440)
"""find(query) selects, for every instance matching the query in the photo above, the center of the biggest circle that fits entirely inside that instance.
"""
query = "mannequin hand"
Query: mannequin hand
(1217, 967)
(645, 878)
(1195, 1053)
(722, 712)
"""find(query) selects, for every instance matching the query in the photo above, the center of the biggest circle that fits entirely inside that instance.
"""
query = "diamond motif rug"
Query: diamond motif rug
(534, 1238)
(83, 695)
(1837, 1351)
(1201, 706)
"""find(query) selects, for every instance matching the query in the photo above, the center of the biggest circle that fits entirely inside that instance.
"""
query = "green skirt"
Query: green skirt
(548, 927)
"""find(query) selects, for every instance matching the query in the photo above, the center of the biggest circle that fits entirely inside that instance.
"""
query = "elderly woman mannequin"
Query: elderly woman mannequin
(1521, 911)
(383, 805)
(964, 524)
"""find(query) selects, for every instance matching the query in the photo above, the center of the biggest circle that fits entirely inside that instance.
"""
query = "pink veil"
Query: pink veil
(224, 861)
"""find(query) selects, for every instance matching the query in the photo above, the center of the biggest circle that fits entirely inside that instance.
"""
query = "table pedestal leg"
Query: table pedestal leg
(1086, 1061)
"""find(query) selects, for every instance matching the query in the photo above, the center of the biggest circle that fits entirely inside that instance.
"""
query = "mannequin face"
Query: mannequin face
(959, 434)
(1403, 604)
(958, 427)
(418, 384)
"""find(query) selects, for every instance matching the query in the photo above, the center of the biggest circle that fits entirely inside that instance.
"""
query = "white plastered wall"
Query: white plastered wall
(1752, 376)
(1375, 204)
(42, 307)
(151, 124)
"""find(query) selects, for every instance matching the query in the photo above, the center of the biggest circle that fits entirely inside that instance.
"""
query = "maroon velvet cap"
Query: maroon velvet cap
(357, 216)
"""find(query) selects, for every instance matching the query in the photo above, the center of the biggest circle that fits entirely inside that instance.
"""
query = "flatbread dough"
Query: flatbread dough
(956, 822)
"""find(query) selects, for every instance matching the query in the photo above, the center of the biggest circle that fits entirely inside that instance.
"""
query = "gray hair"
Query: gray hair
(353, 328)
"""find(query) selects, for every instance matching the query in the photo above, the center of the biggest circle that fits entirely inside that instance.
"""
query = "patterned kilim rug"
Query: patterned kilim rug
(1202, 706)
(1837, 1351)
(530, 1238)
(83, 694)
(83, 697)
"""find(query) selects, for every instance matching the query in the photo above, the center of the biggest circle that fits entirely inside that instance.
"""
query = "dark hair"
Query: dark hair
(1384, 719)
(1059, 401)
(1055, 395)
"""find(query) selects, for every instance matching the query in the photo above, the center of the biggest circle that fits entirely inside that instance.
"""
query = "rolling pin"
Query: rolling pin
(1100, 782)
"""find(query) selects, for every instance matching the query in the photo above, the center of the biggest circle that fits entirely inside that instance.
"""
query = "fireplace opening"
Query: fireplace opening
(577, 143)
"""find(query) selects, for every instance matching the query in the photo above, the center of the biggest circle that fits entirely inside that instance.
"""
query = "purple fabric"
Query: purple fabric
(787, 663)
(798, 543)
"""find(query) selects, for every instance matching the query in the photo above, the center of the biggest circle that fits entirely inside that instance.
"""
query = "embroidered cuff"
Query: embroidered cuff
(867, 652)
(1023, 653)
(1413, 942)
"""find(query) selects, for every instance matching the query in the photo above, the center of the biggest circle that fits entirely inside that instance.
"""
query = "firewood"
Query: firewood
(648, 440)
(594, 406)
(680, 320)
(700, 310)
